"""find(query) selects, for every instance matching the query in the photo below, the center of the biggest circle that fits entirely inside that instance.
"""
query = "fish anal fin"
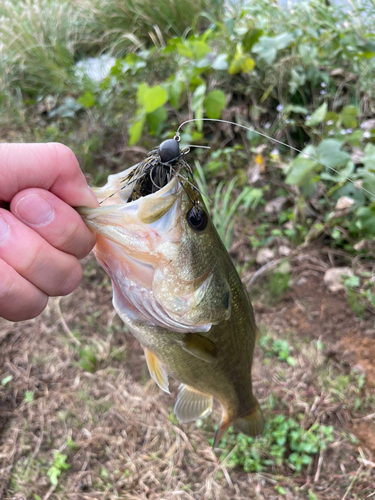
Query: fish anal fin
(192, 404)
(157, 370)
(199, 346)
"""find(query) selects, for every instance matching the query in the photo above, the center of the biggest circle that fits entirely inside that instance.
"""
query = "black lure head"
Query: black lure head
(169, 151)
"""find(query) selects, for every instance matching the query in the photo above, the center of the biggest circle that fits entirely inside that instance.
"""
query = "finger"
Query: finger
(51, 166)
(19, 299)
(52, 271)
(58, 223)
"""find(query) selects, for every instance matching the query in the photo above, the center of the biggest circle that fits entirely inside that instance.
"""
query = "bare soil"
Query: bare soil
(90, 397)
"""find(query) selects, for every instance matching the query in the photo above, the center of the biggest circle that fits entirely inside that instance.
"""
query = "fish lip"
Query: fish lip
(161, 192)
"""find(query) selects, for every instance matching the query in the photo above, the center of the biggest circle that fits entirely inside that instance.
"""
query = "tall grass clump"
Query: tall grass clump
(120, 24)
(39, 39)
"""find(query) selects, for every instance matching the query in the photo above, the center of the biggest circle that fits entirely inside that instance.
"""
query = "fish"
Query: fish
(176, 288)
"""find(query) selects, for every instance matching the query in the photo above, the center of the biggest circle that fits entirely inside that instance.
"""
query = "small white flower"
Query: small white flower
(279, 107)
(323, 84)
(330, 122)
(367, 134)
(322, 92)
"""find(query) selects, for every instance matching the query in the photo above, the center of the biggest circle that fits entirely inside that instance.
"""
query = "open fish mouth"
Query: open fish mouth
(156, 171)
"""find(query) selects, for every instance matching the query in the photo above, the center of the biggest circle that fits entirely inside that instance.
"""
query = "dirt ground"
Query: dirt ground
(80, 385)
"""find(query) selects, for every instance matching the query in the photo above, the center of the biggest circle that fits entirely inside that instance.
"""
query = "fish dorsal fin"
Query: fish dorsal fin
(157, 370)
(192, 404)
(199, 346)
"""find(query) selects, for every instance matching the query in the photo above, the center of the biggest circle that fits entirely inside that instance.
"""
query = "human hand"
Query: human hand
(41, 235)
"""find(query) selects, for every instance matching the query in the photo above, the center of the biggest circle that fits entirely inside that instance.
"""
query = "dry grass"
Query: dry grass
(89, 397)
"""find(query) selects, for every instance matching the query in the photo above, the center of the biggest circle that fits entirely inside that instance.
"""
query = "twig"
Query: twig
(64, 324)
(266, 267)
(352, 482)
(49, 492)
(319, 468)
(367, 417)
(364, 460)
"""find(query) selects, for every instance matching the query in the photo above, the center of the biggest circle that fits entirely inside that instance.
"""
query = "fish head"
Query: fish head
(163, 254)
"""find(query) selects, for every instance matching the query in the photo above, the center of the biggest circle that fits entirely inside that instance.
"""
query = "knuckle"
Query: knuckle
(30, 261)
(14, 306)
(7, 291)
(64, 155)
(72, 279)
(75, 240)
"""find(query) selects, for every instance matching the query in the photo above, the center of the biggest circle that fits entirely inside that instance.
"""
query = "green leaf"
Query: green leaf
(241, 63)
(199, 49)
(366, 222)
(291, 361)
(197, 103)
(318, 116)
(141, 91)
(330, 154)
(267, 47)
(312, 495)
(220, 62)
(184, 50)
(299, 173)
(135, 131)
(214, 103)
(369, 159)
(250, 38)
(291, 108)
(154, 98)
(87, 99)
(308, 53)
(6, 380)
(348, 117)
(156, 120)
(175, 91)
(54, 474)
(352, 282)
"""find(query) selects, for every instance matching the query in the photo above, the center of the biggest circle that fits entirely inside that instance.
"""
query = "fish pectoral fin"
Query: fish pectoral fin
(157, 370)
(192, 404)
(200, 347)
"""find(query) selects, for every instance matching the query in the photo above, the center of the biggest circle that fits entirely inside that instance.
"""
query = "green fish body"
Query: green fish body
(178, 292)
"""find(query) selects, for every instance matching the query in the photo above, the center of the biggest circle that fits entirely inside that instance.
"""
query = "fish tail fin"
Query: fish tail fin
(251, 424)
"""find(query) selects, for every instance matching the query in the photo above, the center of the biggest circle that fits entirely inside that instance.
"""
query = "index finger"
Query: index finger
(50, 166)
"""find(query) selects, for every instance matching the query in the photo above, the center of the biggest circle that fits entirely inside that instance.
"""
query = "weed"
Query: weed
(223, 207)
(58, 466)
(29, 397)
(88, 358)
(278, 283)
(5, 381)
(278, 347)
(360, 293)
(284, 443)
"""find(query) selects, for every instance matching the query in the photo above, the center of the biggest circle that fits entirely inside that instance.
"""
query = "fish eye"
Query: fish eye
(197, 219)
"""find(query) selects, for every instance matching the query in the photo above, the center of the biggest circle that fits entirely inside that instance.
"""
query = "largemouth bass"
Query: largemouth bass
(176, 288)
